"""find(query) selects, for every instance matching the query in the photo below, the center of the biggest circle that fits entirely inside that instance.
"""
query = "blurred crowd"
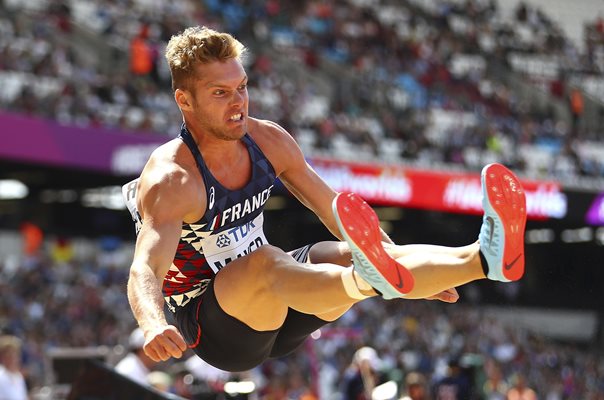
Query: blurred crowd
(419, 81)
(409, 80)
(65, 293)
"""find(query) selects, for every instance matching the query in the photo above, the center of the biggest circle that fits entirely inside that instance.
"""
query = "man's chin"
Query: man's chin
(233, 134)
(240, 131)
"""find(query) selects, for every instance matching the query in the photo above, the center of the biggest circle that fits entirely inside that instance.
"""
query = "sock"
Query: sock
(361, 283)
(483, 263)
(350, 285)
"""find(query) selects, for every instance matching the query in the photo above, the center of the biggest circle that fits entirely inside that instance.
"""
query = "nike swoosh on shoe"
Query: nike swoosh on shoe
(511, 264)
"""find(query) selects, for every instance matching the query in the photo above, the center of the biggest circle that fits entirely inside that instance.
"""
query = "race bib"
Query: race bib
(224, 247)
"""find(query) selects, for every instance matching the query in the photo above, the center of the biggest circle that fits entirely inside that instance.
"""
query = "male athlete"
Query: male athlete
(198, 207)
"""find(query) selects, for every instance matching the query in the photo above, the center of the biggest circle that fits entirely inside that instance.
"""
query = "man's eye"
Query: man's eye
(218, 92)
(243, 87)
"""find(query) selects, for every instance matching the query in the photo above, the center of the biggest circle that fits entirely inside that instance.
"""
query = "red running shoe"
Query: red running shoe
(502, 232)
(360, 227)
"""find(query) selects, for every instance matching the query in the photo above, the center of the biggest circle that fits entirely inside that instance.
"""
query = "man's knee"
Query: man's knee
(245, 289)
(259, 265)
(268, 255)
(265, 258)
(330, 252)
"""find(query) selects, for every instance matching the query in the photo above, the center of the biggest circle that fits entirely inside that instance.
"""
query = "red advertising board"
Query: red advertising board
(432, 190)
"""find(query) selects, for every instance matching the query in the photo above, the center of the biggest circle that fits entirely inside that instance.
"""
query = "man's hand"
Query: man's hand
(448, 296)
(163, 343)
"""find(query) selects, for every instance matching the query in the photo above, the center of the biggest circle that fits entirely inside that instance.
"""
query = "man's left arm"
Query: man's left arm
(308, 187)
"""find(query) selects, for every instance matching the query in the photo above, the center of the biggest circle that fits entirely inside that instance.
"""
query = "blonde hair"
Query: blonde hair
(199, 45)
(9, 342)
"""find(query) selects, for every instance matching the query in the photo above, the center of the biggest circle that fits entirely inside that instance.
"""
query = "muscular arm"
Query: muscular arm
(303, 182)
(164, 203)
(156, 241)
(298, 178)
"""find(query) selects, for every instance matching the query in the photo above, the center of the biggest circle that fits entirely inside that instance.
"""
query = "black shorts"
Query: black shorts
(228, 344)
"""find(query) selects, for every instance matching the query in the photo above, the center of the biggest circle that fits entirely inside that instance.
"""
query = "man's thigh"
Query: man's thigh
(219, 338)
(228, 344)
(243, 290)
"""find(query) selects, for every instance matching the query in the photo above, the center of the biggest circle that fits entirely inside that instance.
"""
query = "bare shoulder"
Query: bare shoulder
(276, 143)
(170, 186)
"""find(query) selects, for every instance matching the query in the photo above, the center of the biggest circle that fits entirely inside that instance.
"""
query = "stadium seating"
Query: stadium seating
(443, 82)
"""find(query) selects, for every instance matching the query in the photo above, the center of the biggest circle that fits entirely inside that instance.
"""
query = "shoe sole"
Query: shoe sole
(505, 197)
(360, 227)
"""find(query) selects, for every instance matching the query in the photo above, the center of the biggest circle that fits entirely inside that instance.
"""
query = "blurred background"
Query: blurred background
(401, 101)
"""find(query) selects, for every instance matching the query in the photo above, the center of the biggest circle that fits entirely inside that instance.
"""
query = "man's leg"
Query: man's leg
(434, 268)
(499, 254)
(259, 288)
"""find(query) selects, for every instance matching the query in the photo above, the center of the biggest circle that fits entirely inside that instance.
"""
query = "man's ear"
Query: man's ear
(183, 99)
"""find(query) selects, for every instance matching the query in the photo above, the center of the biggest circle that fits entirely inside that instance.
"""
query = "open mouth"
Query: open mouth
(236, 117)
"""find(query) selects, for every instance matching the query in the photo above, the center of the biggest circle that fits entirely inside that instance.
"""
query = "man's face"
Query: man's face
(220, 99)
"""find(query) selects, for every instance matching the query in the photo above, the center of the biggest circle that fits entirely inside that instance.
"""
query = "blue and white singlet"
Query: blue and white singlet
(231, 227)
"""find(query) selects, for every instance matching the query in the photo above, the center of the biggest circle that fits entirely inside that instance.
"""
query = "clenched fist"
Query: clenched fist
(164, 342)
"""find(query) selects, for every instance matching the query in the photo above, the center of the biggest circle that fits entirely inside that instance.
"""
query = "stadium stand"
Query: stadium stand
(505, 87)
(70, 293)
(435, 84)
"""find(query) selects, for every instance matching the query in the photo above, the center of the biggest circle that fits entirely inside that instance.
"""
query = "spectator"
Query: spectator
(12, 382)
(415, 387)
(160, 380)
(362, 375)
(454, 386)
(141, 54)
(495, 386)
(576, 109)
(519, 389)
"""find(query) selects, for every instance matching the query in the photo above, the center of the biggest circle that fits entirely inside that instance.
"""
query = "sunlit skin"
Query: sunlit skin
(208, 105)
(219, 93)
(214, 105)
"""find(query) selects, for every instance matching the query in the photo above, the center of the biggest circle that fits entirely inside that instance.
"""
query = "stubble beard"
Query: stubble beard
(222, 135)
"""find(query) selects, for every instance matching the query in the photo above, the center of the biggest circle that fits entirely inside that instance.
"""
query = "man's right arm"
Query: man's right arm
(145, 293)
(163, 209)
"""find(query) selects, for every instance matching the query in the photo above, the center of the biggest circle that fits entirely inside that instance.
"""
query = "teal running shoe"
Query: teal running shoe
(501, 235)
